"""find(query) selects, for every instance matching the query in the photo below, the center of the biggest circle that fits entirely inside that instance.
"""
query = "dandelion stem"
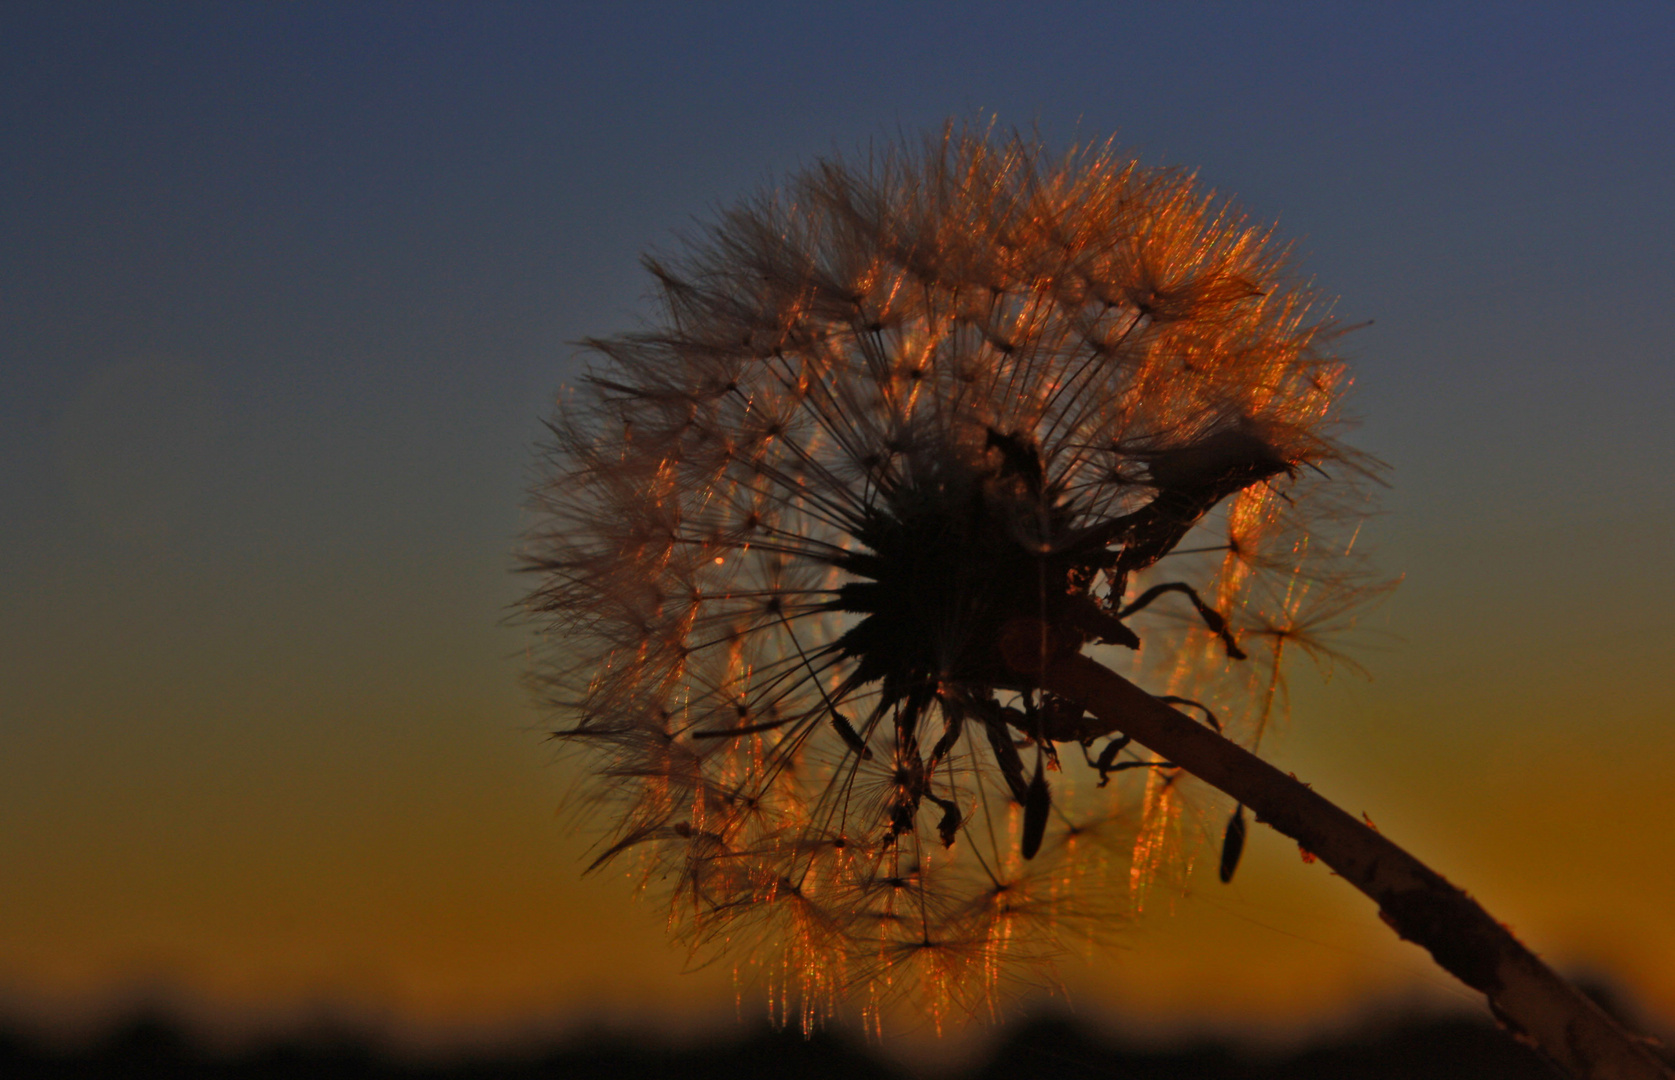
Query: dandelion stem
(1525, 995)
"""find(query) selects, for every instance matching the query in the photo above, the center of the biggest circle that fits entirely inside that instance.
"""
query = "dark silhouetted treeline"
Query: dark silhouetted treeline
(1049, 1047)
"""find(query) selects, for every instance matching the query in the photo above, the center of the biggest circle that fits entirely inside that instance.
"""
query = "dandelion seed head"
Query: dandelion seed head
(899, 427)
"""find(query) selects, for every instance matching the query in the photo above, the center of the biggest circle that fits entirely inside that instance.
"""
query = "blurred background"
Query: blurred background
(287, 291)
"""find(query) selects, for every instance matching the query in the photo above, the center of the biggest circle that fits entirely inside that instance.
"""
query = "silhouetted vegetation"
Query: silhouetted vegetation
(1053, 1047)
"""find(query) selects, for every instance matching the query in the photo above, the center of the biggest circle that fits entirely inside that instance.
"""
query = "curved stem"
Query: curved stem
(1526, 996)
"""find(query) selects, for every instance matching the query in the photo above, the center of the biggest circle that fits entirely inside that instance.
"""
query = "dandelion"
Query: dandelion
(826, 552)
(895, 420)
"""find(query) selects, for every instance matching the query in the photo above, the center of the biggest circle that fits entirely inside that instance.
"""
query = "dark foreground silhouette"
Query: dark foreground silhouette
(1047, 1047)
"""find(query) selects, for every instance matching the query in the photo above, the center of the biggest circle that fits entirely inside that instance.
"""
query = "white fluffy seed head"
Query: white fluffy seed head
(886, 412)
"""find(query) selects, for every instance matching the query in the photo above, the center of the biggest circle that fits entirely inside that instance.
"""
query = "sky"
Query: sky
(287, 291)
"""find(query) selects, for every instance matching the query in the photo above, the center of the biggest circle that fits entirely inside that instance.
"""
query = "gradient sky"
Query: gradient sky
(287, 289)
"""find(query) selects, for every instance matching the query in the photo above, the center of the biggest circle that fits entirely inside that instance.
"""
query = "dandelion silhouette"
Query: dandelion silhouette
(843, 563)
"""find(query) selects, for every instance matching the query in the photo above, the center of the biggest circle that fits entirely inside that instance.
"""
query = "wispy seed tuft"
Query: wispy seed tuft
(902, 429)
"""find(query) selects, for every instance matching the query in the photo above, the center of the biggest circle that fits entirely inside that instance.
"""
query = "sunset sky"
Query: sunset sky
(287, 290)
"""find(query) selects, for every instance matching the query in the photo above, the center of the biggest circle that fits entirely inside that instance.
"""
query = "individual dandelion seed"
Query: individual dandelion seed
(822, 546)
